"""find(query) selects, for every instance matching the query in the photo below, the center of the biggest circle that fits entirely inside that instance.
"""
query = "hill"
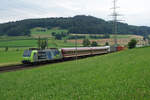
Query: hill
(122, 75)
(78, 24)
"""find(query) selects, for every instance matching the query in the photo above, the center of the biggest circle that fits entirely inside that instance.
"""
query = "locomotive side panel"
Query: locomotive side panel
(32, 56)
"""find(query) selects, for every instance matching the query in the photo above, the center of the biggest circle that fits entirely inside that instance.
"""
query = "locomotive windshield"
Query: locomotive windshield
(27, 53)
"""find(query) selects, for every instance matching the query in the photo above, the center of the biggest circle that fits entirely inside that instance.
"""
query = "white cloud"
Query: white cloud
(135, 11)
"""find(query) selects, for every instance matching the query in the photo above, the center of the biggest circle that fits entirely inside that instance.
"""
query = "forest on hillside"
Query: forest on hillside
(78, 24)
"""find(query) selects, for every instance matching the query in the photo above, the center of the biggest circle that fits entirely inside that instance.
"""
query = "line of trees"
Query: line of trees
(86, 43)
(59, 36)
(80, 24)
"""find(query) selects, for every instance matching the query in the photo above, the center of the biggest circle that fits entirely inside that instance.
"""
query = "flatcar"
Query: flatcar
(36, 55)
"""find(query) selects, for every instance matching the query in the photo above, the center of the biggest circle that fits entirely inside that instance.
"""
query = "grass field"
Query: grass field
(121, 36)
(117, 76)
(32, 42)
(10, 57)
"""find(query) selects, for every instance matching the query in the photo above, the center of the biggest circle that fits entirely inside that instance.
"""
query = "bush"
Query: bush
(86, 43)
(58, 36)
(17, 49)
(132, 44)
(94, 44)
(6, 49)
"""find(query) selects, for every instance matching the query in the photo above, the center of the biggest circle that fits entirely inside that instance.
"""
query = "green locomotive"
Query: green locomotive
(35, 55)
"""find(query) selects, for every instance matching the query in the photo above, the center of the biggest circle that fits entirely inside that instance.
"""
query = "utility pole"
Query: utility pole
(76, 47)
(73, 24)
(115, 22)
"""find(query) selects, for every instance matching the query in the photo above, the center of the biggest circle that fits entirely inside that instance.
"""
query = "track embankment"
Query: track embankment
(9, 68)
(27, 66)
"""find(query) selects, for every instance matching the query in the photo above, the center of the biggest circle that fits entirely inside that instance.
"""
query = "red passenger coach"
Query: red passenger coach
(71, 52)
(83, 51)
(100, 50)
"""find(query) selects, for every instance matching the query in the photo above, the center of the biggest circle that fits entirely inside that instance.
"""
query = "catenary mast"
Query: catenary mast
(115, 20)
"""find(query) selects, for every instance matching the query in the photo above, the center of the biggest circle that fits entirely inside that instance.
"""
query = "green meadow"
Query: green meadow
(12, 56)
(121, 36)
(117, 76)
(33, 43)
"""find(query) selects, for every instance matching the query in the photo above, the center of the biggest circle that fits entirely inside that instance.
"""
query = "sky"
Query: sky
(133, 12)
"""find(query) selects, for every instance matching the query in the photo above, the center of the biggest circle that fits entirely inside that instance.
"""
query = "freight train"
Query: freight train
(35, 55)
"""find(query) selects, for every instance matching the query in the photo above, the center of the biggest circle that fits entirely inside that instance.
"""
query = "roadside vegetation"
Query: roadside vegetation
(117, 76)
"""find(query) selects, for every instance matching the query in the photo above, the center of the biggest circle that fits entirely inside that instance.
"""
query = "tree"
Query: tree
(65, 40)
(94, 44)
(53, 33)
(39, 42)
(58, 36)
(106, 43)
(6, 49)
(42, 43)
(86, 43)
(78, 24)
(132, 44)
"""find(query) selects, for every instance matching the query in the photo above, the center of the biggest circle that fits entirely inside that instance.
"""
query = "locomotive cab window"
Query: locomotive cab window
(27, 53)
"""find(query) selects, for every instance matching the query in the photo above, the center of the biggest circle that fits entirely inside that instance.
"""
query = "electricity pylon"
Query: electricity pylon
(115, 21)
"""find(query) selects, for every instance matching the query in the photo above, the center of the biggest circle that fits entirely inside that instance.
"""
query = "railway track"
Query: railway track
(12, 67)
(17, 67)
(22, 66)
